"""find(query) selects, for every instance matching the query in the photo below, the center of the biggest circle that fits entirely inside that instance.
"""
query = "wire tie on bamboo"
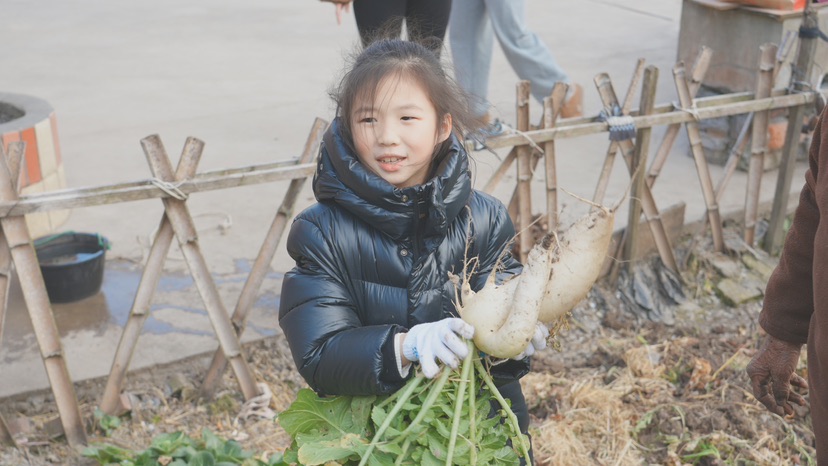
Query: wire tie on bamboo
(170, 188)
(692, 110)
(621, 127)
(509, 129)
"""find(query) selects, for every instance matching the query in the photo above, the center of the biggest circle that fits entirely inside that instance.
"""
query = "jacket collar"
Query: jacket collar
(341, 178)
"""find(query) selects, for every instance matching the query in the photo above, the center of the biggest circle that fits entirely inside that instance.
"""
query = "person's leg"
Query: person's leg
(471, 41)
(527, 54)
(373, 16)
(427, 21)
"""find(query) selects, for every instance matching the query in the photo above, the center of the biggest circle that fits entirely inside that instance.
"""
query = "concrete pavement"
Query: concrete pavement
(248, 78)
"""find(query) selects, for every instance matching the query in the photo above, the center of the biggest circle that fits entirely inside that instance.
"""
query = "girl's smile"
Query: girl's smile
(396, 134)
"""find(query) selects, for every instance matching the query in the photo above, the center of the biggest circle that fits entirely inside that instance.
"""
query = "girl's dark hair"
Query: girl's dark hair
(387, 57)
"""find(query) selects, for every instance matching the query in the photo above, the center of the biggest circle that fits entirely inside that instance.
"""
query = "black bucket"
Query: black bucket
(72, 264)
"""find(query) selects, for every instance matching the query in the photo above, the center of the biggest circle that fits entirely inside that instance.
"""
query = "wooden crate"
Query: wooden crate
(735, 34)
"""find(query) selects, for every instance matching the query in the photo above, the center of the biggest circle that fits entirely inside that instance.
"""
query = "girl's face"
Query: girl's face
(396, 134)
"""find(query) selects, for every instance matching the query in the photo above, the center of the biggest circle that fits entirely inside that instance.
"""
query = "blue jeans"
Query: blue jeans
(472, 26)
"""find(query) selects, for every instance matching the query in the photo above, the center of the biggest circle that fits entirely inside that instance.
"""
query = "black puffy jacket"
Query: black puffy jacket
(373, 260)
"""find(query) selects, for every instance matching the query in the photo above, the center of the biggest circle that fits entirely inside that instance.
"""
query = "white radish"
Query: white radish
(559, 272)
(504, 316)
(581, 251)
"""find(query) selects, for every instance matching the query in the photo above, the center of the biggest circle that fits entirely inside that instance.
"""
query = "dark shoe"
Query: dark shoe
(574, 106)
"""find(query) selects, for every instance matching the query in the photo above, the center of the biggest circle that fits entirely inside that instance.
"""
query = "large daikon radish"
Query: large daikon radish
(581, 252)
(504, 316)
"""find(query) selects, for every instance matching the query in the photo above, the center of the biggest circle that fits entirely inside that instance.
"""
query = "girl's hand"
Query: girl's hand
(537, 343)
(433, 341)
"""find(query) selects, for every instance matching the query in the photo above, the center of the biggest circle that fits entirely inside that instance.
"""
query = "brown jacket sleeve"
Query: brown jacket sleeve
(789, 296)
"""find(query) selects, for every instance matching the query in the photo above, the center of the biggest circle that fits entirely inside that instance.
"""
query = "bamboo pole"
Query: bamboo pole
(700, 66)
(146, 189)
(637, 166)
(706, 107)
(501, 171)
(268, 249)
(524, 173)
(111, 401)
(648, 204)
(609, 159)
(759, 145)
(740, 144)
(185, 231)
(800, 76)
(559, 91)
(551, 110)
(40, 311)
(702, 169)
(13, 159)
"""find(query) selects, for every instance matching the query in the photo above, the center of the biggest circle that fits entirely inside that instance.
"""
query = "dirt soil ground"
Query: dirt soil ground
(642, 376)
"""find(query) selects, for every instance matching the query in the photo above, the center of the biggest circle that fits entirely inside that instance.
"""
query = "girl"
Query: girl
(370, 293)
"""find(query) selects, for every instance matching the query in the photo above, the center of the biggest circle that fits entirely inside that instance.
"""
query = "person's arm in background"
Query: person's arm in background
(342, 6)
(789, 298)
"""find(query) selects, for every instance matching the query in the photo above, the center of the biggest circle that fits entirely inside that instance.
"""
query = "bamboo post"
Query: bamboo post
(14, 162)
(648, 205)
(268, 249)
(609, 159)
(739, 146)
(182, 224)
(693, 134)
(551, 110)
(700, 66)
(40, 311)
(13, 158)
(800, 76)
(638, 163)
(558, 95)
(759, 145)
(524, 173)
(734, 155)
(111, 401)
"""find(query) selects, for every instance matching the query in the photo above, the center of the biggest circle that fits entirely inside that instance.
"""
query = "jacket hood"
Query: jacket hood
(341, 178)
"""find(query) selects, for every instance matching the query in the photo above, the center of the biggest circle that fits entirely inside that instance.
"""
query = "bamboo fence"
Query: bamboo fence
(527, 145)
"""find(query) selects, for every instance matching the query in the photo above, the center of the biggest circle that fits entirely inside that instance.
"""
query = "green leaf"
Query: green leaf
(325, 450)
(310, 413)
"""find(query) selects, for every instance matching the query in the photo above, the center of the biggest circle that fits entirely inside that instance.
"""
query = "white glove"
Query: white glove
(537, 343)
(437, 340)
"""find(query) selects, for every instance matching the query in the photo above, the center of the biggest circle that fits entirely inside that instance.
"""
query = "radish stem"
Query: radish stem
(409, 389)
(509, 413)
(434, 391)
(458, 407)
